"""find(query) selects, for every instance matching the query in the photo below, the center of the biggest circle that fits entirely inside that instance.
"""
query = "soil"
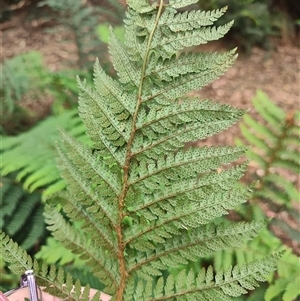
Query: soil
(275, 71)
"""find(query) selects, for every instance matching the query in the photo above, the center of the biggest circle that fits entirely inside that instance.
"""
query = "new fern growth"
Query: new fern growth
(147, 202)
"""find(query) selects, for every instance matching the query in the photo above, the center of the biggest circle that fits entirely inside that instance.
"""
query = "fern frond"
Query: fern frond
(199, 242)
(168, 218)
(208, 285)
(187, 63)
(169, 41)
(190, 20)
(13, 254)
(287, 287)
(127, 70)
(20, 210)
(274, 138)
(165, 131)
(81, 156)
(37, 230)
(51, 277)
(188, 81)
(256, 141)
(264, 131)
(209, 182)
(103, 265)
(7, 193)
(61, 256)
(144, 200)
(292, 290)
(35, 166)
(21, 75)
(88, 203)
(186, 164)
(93, 219)
(23, 213)
(139, 126)
(284, 185)
(268, 111)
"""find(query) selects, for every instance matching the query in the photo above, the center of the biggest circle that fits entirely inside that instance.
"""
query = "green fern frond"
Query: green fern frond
(51, 277)
(255, 141)
(139, 127)
(167, 218)
(287, 286)
(179, 4)
(13, 195)
(277, 153)
(190, 20)
(276, 147)
(144, 200)
(20, 209)
(205, 285)
(36, 231)
(268, 110)
(187, 81)
(199, 242)
(206, 63)
(61, 256)
(94, 256)
(292, 290)
(17, 257)
(35, 162)
(19, 76)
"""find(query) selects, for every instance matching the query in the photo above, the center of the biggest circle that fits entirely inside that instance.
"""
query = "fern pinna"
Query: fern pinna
(147, 202)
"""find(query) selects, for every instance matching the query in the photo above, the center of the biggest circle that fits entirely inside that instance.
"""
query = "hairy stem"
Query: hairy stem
(121, 241)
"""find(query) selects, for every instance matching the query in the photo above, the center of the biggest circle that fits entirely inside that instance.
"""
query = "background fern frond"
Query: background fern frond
(272, 136)
(274, 133)
(36, 166)
(17, 257)
(19, 210)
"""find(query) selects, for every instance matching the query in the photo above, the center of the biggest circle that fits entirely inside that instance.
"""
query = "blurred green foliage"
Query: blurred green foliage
(274, 136)
(80, 21)
(35, 151)
(22, 77)
(22, 217)
(21, 210)
(255, 21)
(26, 80)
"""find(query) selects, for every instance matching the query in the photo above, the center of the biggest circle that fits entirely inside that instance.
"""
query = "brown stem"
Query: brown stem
(121, 242)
